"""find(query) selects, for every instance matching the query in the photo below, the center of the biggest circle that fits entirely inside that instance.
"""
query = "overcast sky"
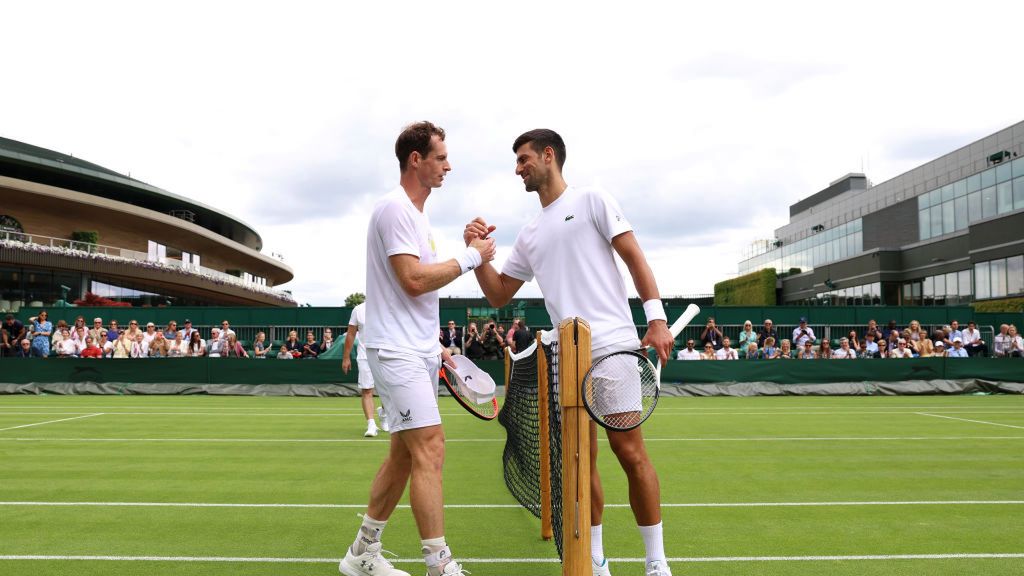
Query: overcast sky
(705, 120)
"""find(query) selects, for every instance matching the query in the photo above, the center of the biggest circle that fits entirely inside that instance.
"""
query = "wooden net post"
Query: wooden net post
(573, 362)
(544, 431)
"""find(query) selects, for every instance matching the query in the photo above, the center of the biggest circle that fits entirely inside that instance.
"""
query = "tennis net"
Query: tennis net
(527, 476)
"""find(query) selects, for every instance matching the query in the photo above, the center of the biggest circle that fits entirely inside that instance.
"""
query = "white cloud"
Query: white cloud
(705, 121)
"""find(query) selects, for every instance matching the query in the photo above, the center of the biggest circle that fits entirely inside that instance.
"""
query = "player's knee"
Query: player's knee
(630, 454)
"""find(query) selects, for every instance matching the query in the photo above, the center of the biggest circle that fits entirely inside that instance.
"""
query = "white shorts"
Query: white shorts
(407, 386)
(365, 375)
(617, 379)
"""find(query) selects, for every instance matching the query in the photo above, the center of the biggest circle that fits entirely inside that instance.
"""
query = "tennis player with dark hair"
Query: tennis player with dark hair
(403, 276)
(570, 249)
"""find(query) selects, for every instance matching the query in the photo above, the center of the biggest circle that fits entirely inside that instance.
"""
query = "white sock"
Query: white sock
(653, 542)
(371, 423)
(436, 554)
(369, 533)
(596, 545)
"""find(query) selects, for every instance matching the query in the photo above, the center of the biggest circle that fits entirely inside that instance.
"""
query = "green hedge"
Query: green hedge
(996, 306)
(754, 289)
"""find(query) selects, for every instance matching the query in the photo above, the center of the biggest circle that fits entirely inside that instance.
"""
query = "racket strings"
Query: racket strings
(621, 390)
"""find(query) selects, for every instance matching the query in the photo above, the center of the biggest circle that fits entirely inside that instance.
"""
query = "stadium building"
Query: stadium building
(69, 227)
(948, 232)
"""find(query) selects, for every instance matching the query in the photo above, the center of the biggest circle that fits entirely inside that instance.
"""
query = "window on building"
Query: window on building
(981, 280)
(1015, 275)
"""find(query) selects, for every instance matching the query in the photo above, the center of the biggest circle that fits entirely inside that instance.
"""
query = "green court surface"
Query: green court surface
(162, 485)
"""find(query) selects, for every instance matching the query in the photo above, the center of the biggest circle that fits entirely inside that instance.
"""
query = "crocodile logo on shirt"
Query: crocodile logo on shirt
(570, 217)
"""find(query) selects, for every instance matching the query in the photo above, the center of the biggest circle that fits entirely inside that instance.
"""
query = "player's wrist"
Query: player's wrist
(654, 310)
(469, 259)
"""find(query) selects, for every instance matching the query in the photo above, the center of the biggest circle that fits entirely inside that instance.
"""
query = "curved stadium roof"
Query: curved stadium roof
(35, 164)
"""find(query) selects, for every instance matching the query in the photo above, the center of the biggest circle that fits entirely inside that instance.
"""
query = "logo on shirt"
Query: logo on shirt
(406, 415)
(570, 217)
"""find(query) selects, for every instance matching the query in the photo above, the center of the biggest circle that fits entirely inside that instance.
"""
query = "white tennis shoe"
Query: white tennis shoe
(369, 563)
(383, 419)
(657, 568)
(452, 568)
(602, 568)
(371, 431)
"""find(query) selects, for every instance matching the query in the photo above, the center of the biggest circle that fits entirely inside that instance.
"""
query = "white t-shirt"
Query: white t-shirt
(843, 354)
(970, 336)
(358, 319)
(723, 354)
(904, 353)
(397, 321)
(567, 247)
(685, 354)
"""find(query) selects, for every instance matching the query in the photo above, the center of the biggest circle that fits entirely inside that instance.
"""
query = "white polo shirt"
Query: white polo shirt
(397, 321)
(685, 354)
(358, 319)
(723, 354)
(567, 247)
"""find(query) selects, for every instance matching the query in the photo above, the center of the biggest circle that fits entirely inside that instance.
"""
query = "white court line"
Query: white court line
(383, 442)
(268, 560)
(968, 420)
(503, 506)
(51, 421)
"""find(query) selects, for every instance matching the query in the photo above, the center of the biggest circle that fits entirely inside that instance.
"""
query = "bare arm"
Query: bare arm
(346, 353)
(658, 335)
(417, 278)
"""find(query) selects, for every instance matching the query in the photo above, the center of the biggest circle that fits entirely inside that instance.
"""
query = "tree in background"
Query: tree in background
(354, 299)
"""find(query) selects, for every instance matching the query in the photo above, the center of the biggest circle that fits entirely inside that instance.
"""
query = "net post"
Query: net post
(544, 433)
(508, 368)
(573, 363)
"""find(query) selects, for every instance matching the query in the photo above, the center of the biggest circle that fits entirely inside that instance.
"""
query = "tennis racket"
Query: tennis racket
(621, 390)
(471, 387)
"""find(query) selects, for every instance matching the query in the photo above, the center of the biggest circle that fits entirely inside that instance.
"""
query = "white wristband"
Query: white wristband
(469, 259)
(654, 310)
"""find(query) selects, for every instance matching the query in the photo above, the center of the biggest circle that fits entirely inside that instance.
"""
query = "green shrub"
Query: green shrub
(754, 289)
(996, 306)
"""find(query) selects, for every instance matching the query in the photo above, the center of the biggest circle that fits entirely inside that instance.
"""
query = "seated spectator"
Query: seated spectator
(25, 350)
(786, 351)
(60, 332)
(854, 341)
(1016, 346)
(98, 332)
(825, 349)
(285, 353)
(709, 352)
(233, 348)
(68, 346)
(12, 333)
(225, 331)
(888, 330)
(172, 331)
(924, 347)
(726, 352)
(158, 346)
(91, 350)
(752, 353)
(196, 346)
(954, 332)
(915, 330)
(807, 353)
(688, 353)
(747, 336)
(176, 348)
(883, 349)
(872, 329)
(112, 332)
(293, 345)
(802, 333)
(769, 351)
(473, 343)
(869, 348)
(765, 333)
(908, 335)
(215, 344)
(844, 352)
(150, 333)
(259, 347)
(973, 343)
(894, 339)
(327, 341)
(938, 349)
(186, 332)
(1001, 344)
(139, 347)
(901, 350)
(133, 330)
(79, 330)
(122, 346)
(711, 334)
(311, 349)
(958, 350)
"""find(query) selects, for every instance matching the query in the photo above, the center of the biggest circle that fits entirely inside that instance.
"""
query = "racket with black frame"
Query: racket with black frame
(471, 387)
(621, 390)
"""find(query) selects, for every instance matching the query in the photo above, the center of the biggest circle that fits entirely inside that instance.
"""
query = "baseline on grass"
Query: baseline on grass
(620, 391)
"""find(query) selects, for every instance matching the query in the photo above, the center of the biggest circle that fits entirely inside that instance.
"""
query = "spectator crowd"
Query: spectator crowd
(40, 338)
